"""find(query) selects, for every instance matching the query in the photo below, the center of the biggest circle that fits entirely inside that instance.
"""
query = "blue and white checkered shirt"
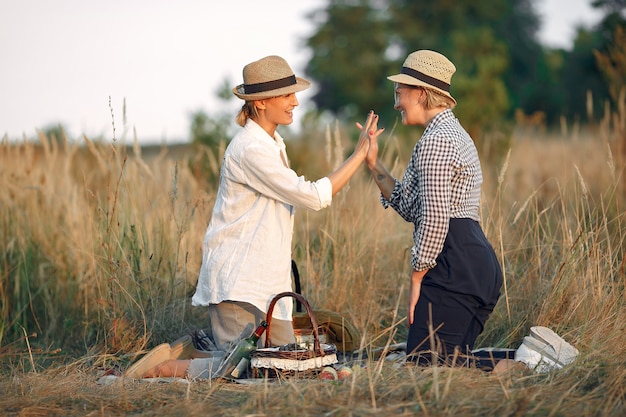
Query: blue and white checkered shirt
(442, 181)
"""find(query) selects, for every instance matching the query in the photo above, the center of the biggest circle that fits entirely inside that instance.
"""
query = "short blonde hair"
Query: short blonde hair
(247, 111)
(434, 99)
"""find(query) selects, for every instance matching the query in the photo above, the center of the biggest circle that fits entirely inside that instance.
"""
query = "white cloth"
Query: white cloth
(538, 361)
(544, 350)
(247, 245)
(292, 364)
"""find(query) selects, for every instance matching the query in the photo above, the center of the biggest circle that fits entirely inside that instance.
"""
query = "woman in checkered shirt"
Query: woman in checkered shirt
(456, 277)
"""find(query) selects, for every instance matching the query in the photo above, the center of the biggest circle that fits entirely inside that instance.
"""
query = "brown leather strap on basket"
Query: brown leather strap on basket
(305, 303)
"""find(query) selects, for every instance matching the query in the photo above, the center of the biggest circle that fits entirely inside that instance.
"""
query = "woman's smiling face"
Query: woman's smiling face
(406, 98)
(279, 110)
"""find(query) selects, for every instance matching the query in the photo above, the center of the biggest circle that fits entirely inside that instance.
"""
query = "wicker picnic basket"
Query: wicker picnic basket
(292, 359)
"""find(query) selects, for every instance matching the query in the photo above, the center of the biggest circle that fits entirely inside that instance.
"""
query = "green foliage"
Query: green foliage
(21, 300)
(208, 130)
(516, 27)
(612, 6)
(210, 133)
(33, 305)
(347, 62)
(56, 133)
(493, 43)
(613, 64)
(580, 76)
(211, 130)
(480, 80)
(360, 43)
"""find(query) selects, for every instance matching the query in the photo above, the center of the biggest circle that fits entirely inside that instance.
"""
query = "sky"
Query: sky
(144, 66)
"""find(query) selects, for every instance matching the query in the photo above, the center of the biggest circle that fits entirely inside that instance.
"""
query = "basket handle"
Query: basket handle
(305, 303)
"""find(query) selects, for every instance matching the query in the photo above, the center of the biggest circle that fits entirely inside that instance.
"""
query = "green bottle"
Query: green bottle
(236, 363)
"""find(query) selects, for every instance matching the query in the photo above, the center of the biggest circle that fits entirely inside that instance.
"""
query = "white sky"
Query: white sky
(61, 60)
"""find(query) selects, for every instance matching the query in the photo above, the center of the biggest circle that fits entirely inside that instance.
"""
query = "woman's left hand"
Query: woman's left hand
(369, 131)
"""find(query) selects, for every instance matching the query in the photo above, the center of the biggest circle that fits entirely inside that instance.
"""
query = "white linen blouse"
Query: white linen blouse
(247, 245)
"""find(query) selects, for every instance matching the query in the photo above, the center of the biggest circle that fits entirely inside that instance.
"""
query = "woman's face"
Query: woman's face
(406, 101)
(279, 110)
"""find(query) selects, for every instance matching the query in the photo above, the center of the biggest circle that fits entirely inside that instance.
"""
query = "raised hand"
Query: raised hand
(369, 137)
(340, 177)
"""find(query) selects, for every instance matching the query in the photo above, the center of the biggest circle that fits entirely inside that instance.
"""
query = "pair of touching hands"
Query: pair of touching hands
(368, 139)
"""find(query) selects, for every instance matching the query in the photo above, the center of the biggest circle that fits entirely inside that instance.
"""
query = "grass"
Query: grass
(101, 246)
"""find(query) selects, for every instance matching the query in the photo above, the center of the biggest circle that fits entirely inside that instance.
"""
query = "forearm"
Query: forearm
(383, 179)
(340, 177)
(415, 291)
(418, 276)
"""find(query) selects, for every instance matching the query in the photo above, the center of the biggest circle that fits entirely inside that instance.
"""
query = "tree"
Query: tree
(215, 129)
(208, 130)
(612, 7)
(581, 74)
(480, 80)
(348, 59)
(209, 136)
(611, 59)
(359, 43)
(613, 64)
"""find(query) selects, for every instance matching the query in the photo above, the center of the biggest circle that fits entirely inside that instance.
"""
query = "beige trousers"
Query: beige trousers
(234, 320)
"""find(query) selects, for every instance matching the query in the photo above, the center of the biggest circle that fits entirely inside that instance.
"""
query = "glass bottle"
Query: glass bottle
(236, 363)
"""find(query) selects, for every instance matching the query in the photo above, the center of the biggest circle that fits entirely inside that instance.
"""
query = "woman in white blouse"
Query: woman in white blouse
(247, 246)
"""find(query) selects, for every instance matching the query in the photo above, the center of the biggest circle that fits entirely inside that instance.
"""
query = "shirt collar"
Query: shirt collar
(259, 132)
(440, 118)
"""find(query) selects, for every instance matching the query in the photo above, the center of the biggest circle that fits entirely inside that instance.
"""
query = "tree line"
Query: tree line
(502, 68)
(501, 65)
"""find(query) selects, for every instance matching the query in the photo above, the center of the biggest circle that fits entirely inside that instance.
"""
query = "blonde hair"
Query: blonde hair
(247, 111)
(434, 99)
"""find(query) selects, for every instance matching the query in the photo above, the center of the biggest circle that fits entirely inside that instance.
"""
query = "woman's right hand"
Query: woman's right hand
(340, 177)
(414, 293)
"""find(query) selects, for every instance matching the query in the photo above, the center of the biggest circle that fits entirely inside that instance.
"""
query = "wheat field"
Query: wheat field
(101, 244)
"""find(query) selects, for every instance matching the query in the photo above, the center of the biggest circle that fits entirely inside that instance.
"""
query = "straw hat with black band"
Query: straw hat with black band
(428, 69)
(269, 77)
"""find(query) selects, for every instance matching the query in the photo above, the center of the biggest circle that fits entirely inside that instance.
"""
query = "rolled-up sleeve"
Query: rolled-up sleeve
(325, 191)
(263, 170)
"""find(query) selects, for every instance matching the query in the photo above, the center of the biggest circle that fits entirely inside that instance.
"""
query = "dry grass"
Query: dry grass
(71, 390)
(102, 247)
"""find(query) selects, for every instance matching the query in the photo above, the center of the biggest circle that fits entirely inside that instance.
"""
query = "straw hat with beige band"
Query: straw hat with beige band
(427, 69)
(269, 77)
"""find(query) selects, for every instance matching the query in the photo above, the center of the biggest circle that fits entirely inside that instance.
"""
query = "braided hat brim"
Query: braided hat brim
(300, 85)
(429, 69)
(408, 80)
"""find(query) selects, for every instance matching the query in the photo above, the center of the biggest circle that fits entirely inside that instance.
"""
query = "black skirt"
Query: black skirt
(457, 295)
(467, 264)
